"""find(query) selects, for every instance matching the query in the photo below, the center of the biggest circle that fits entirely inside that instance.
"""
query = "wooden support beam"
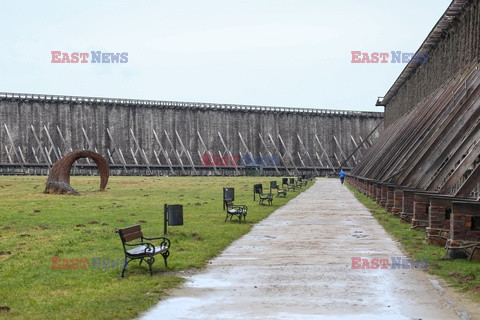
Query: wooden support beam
(288, 153)
(325, 153)
(279, 154)
(175, 152)
(163, 152)
(206, 151)
(227, 150)
(307, 154)
(187, 153)
(470, 183)
(270, 154)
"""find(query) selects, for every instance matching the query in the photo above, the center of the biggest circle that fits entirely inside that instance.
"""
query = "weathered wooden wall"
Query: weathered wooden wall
(123, 117)
(459, 47)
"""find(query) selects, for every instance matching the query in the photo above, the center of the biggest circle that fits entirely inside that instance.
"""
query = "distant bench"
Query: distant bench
(238, 210)
(274, 185)
(258, 189)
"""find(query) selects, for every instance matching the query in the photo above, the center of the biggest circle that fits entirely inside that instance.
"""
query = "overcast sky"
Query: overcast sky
(292, 53)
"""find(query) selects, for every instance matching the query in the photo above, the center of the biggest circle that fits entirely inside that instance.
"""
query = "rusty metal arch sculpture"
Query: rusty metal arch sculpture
(59, 178)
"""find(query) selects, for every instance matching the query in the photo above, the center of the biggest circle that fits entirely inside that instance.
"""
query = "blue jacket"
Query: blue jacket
(342, 174)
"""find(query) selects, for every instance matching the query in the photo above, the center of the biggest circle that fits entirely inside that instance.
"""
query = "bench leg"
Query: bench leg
(125, 266)
(150, 262)
(228, 214)
(165, 256)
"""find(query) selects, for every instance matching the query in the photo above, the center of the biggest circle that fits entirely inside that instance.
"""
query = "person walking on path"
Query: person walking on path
(342, 175)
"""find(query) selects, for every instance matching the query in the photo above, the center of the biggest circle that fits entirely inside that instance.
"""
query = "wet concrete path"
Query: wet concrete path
(297, 264)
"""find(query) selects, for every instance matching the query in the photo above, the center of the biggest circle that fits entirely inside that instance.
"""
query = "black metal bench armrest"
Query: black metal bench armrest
(239, 206)
(148, 246)
(164, 243)
(137, 244)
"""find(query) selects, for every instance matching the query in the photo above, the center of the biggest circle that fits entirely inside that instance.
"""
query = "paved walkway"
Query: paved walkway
(297, 264)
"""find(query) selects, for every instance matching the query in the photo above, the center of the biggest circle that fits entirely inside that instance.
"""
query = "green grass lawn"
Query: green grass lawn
(35, 227)
(463, 275)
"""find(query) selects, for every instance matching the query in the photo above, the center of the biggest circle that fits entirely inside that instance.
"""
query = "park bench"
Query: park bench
(299, 183)
(280, 191)
(136, 246)
(291, 187)
(238, 210)
(303, 181)
(258, 189)
(266, 197)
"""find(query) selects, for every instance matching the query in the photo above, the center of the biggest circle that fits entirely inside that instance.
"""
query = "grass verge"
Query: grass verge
(463, 275)
(34, 227)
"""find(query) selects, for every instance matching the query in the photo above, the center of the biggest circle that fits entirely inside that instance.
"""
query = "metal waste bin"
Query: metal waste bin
(172, 215)
(228, 194)
(257, 188)
(175, 215)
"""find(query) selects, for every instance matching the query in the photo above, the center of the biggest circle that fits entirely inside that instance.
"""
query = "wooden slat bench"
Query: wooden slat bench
(136, 246)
